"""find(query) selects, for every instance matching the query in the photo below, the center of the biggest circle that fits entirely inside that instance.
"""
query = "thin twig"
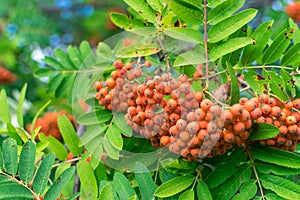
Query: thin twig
(255, 173)
(67, 161)
(262, 67)
(205, 42)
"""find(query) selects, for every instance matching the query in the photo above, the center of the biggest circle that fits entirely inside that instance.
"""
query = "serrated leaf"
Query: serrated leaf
(186, 11)
(256, 85)
(292, 56)
(106, 192)
(262, 131)
(15, 191)
(20, 106)
(230, 25)
(278, 46)
(174, 186)
(43, 173)
(5, 113)
(53, 63)
(124, 22)
(27, 159)
(110, 150)
(276, 156)
(10, 156)
(281, 186)
(222, 172)
(275, 169)
(224, 10)
(280, 92)
(55, 146)
(192, 57)
(139, 49)
(189, 194)
(297, 31)
(229, 46)
(143, 9)
(185, 34)
(203, 191)
(59, 183)
(122, 125)
(144, 181)
(95, 117)
(114, 136)
(69, 135)
(234, 85)
(122, 186)
(155, 5)
(64, 59)
(88, 186)
(288, 81)
(261, 36)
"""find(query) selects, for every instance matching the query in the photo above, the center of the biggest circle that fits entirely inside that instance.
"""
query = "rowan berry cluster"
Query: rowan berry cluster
(49, 124)
(166, 111)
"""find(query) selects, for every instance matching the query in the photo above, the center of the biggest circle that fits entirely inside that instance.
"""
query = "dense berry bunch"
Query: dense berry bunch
(166, 111)
(49, 125)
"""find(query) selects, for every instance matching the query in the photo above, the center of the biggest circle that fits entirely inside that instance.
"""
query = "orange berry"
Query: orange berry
(270, 142)
(281, 140)
(184, 136)
(174, 117)
(296, 103)
(191, 117)
(236, 109)
(203, 124)
(128, 66)
(172, 104)
(165, 140)
(239, 127)
(248, 124)
(212, 127)
(118, 64)
(195, 152)
(199, 96)
(192, 127)
(245, 116)
(272, 102)
(244, 135)
(184, 88)
(283, 130)
(206, 104)
(137, 72)
(276, 123)
(183, 78)
(263, 98)
(243, 100)
(256, 113)
(293, 128)
(250, 105)
(148, 93)
(215, 110)
(229, 137)
(173, 130)
(181, 124)
(290, 120)
(288, 105)
(269, 120)
(148, 64)
(266, 109)
(202, 134)
(296, 115)
(282, 116)
(228, 116)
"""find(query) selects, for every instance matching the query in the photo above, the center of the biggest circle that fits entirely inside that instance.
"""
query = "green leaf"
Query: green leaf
(261, 36)
(53, 63)
(278, 46)
(36, 117)
(174, 186)
(1, 160)
(85, 49)
(222, 172)
(234, 85)
(144, 180)
(292, 56)
(281, 186)
(185, 34)
(75, 56)
(124, 22)
(14, 191)
(189, 194)
(214, 3)
(106, 192)
(229, 46)
(110, 150)
(279, 91)
(59, 183)
(262, 131)
(10, 156)
(155, 5)
(230, 25)
(273, 196)
(224, 10)
(192, 57)
(43, 173)
(139, 49)
(143, 9)
(5, 113)
(69, 135)
(55, 146)
(275, 169)
(95, 117)
(256, 85)
(186, 11)
(55, 82)
(64, 59)
(88, 186)
(104, 51)
(288, 81)
(66, 85)
(115, 137)
(20, 106)
(247, 190)
(122, 186)
(27, 159)
(122, 125)
(203, 191)
(92, 132)
(43, 72)
(297, 31)
(276, 156)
